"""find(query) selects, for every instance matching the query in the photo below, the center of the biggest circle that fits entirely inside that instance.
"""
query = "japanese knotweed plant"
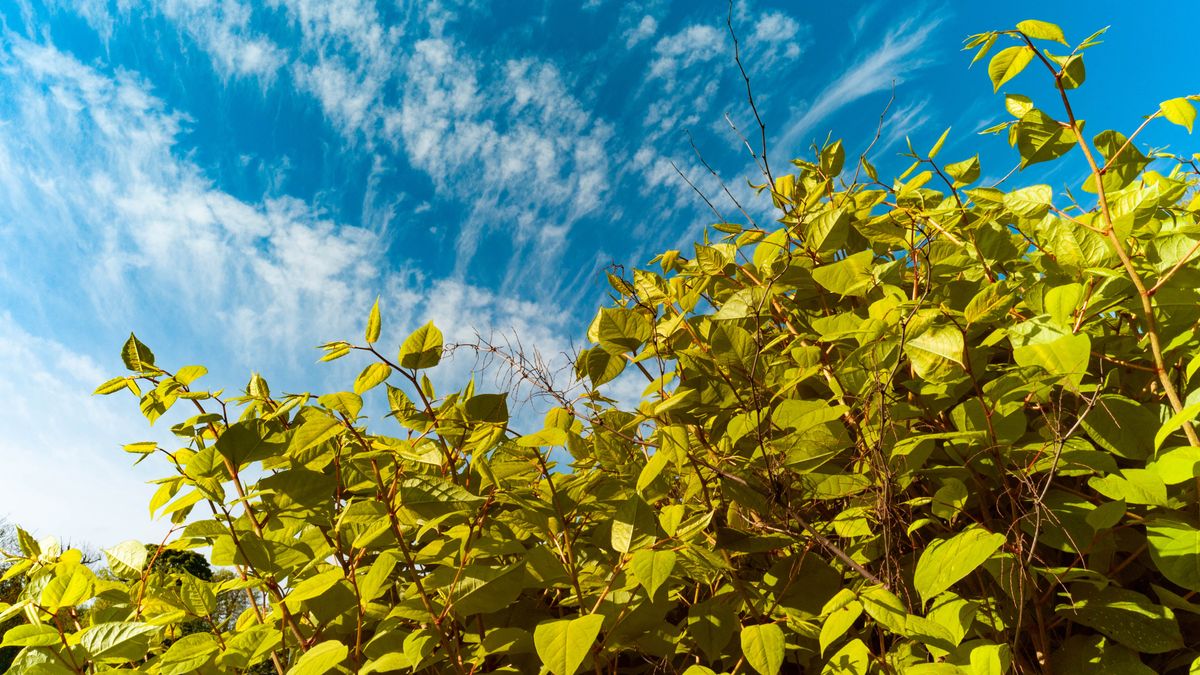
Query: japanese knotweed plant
(925, 426)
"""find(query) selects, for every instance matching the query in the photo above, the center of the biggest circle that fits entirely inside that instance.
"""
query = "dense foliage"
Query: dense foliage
(925, 426)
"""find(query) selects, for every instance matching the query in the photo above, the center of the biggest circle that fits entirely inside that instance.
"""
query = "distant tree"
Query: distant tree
(179, 561)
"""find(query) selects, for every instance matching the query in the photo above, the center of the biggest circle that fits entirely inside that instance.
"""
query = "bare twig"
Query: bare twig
(762, 128)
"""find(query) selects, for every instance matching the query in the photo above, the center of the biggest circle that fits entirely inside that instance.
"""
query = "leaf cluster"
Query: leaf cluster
(925, 426)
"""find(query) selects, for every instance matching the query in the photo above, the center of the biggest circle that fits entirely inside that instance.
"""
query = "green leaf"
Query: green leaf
(1135, 486)
(1097, 655)
(1030, 202)
(1119, 425)
(710, 624)
(137, 356)
(1041, 30)
(619, 330)
(964, 172)
(1174, 424)
(251, 440)
(827, 232)
(1007, 64)
(849, 276)
(763, 647)
(634, 525)
(373, 323)
(936, 353)
(852, 659)
(1120, 169)
(1175, 550)
(563, 644)
(1066, 356)
(1017, 104)
(600, 365)
(118, 641)
(944, 562)
(335, 350)
(1129, 618)
(990, 304)
(833, 156)
(31, 635)
(316, 428)
(188, 654)
(127, 559)
(1179, 111)
(1040, 138)
(72, 584)
(1073, 71)
(372, 584)
(320, 659)
(654, 466)
(483, 590)
(312, 587)
(189, 374)
(838, 623)
(1176, 466)
(372, 376)
(111, 386)
(937, 147)
(422, 349)
(988, 43)
(652, 569)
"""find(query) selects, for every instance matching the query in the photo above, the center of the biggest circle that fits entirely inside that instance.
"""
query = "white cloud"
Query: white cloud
(694, 44)
(94, 195)
(897, 56)
(776, 37)
(902, 122)
(60, 446)
(345, 57)
(643, 31)
(521, 150)
(101, 153)
(223, 29)
(864, 16)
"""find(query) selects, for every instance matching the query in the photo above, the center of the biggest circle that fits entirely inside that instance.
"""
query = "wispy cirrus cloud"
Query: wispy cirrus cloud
(902, 122)
(531, 152)
(898, 55)
(139, 223)
(117, 228)
(240, 263)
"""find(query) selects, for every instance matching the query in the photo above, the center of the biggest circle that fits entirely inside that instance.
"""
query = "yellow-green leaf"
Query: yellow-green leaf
(422, 349)
(562, 645)
(1008, 63)
(127, 559)
(651, 569)
(371, 377)
(31, 635)
(1179, 111)
(320, 659)
(944, 562)
(1042, 30)
(137, 356)
(373, 323)
(763, 647)
(111, 386)
(71, 585)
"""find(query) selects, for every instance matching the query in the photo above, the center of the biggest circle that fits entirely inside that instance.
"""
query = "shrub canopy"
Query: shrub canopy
(918, 426)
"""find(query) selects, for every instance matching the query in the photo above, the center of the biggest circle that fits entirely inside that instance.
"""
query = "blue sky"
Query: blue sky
(237, 181)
